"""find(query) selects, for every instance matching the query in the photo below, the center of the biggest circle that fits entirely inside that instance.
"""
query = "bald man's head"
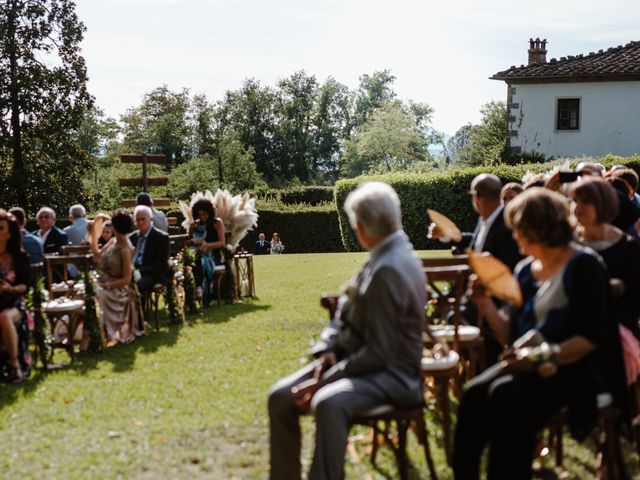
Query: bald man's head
(487, 187)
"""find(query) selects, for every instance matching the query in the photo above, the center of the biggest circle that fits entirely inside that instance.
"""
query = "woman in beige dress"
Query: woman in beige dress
(117, 297)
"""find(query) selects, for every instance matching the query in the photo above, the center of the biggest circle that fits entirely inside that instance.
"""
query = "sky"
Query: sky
(442, 53)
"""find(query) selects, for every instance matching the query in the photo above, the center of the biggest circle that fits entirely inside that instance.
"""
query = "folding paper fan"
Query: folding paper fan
(96, 226)
(496, 277)
(445, 225)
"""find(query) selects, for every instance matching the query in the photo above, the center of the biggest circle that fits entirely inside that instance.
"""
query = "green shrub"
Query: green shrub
(311, 195)
(445, 192)
(302, 228)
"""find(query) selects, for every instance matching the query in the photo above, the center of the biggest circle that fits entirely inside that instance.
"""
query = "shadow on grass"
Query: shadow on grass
(123, 357)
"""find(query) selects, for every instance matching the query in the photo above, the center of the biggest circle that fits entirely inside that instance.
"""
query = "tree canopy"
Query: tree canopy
(43, 100)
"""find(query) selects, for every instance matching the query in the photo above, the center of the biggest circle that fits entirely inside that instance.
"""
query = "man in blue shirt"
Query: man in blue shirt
(32, 244)
(77, 231)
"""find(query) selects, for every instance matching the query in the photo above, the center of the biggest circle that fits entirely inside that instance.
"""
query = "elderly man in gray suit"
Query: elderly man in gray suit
(370, 353)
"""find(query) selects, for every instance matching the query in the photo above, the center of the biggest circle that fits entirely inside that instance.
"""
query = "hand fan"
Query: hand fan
(496, 277)
(445, 225)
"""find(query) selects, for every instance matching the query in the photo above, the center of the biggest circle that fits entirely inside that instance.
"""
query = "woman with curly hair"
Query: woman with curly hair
(14, 278)
(207, 235)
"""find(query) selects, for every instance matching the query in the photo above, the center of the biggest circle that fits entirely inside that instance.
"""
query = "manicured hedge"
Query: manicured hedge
(308, 230)
(302, 229)
(311, 195)
(446, 192)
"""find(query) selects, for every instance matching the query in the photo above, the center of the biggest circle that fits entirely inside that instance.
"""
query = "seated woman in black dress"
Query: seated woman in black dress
(595, 206)
(566, 298)
(207, 235)
(14, 278)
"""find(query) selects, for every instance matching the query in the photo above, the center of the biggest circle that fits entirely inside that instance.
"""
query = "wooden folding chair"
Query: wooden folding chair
(65, 307)
(388, 415)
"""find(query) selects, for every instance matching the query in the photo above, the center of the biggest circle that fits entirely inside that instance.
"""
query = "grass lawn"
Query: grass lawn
(190, 402)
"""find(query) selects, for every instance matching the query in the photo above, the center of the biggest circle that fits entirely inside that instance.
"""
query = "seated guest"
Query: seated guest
(370, 353)
(77, 231)
(107, 234)
(159, 218)
(117, 297)
(262, 246)
(31, 244)
(151, 255)
(207, 235)
(596, 205)
(14, 278)
(276, 246)
(628, 218)
(510, 191)
(52, 237)
(567, 300)
(631, 178)
(491, 234)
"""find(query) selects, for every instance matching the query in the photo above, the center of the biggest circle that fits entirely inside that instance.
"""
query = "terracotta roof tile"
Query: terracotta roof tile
(623, 60)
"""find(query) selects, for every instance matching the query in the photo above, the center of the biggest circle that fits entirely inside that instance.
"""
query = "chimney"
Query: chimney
(537, 51)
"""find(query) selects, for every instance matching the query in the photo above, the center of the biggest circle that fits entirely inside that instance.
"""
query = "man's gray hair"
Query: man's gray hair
(48, 210)
(77, 211)
(376, 206)
(143, 209)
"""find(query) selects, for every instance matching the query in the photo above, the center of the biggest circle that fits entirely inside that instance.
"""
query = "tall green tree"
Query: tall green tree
(160, 124)
(488, 140)
(374, 91)
(248, 114)
(293, 142)
(43, 98)
(390, 140)
(331, 121)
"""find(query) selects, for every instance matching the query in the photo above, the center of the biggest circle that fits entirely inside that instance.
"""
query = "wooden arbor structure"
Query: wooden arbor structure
(144, 181)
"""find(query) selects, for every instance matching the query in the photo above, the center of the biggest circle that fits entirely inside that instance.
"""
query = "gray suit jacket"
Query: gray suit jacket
(377, 329)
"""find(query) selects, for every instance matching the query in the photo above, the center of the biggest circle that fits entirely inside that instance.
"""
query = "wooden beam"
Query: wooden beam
(156, 158)
(139, 182)
(157, 202)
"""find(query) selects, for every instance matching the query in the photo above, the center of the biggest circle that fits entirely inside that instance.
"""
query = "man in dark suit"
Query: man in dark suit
(262, 246)
(491, 234)
(151, 255)
(370, 353)
(52, 237)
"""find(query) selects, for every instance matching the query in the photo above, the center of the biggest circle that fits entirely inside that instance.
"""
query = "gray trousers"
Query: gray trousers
(333, 407)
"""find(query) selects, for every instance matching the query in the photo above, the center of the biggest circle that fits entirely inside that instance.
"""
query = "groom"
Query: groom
(370, 353)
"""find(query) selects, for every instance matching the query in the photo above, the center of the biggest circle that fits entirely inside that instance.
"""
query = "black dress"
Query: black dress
(507, 410)
(622, 260)
(17, 273)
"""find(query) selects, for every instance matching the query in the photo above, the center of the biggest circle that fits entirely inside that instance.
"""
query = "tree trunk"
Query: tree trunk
(18, 175)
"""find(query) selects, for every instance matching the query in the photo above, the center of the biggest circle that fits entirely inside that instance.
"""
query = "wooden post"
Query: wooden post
(145, 180)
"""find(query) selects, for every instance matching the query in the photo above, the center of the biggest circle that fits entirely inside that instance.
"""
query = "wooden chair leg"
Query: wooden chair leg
(156, 302)
(401, 449)
(375, 432)
(423, 438)
(442, 394)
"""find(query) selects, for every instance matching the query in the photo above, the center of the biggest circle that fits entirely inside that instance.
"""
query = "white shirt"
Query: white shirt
(43, 236)
(485, 226)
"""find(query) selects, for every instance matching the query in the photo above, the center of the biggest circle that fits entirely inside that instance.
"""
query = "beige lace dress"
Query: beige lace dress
(119, 308)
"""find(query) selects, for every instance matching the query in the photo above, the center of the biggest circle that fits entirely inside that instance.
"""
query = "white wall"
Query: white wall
(609, 119)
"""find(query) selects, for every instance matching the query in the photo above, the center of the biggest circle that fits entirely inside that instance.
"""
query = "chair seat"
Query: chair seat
(158, 287)
(430, 364)
(219, 268)
(466, 333)
(62, 305)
